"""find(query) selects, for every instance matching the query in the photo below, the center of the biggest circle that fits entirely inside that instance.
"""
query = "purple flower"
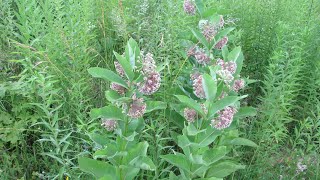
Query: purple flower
(119, 89)
(202, 57)
(238, 84)
(227, 70)
(151, 83)
(119, 69)
(224, 118)
(148, 64)
(189, 7)
(209, 31)
(109, 124)
(137, 108)
(197, 85)
(190, 115)
(221, 43)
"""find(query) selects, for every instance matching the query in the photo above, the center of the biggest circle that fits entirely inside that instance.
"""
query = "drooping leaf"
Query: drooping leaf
(107, 75)
(125, 65)
(209, 86)
(109, 112)
(98, 168)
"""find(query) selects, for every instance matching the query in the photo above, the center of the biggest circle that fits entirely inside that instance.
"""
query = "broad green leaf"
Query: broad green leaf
(107, 178)
(213, 155)
(139, 149)
(243, 142)
(100, 139)
(130, 172)
(200, 6)
(107, 75)
(192, 130)
(239, 62)
(209, 86)
(112, 96)
(223, 169)
(246, 112)
(125, 65)
(207, 137)
(179, 160)
(155, 105)
(221, 104)
(234, 54)
(98, 168)
(220, 35)
(132, 52)
(225, 52)
(143, 162)
(109, 112)
(200, 37)
(190, 103)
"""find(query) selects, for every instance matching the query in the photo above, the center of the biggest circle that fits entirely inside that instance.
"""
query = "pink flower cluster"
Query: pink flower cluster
(119, 89)
(201, 57)
(238, 84)
(197, 85)
(209, 30)
(119, 69)
(151, 81)
(227, 70)
(109, 124)
(189, 7)
(137, 108)
(221, 43)
(224, 118)
(191, 115)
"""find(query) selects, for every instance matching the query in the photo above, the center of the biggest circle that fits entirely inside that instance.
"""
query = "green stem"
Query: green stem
(123, 144)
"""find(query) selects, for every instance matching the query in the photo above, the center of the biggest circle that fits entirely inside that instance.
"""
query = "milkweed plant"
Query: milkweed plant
(136, 77)
(210, 105)
(210, 102)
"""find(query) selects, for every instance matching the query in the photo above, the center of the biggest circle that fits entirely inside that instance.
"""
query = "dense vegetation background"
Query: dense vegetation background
(46, 92)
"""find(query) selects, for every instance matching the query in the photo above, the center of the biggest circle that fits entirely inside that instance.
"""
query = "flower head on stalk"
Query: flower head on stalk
(221, 43)
(189, 7)
(137, 108)
(119, 69)
(109, 124)
(224, 118)
(238, 84)
(151, 83)
(201, 57)
(197, 85)
(119, 89)
(190, 114)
